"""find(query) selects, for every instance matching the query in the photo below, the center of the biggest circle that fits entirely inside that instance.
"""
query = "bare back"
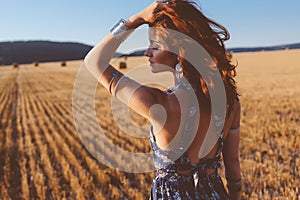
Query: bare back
(172, 126)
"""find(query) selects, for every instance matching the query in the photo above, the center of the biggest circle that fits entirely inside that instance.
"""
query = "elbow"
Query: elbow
(231, 158)
(88, 61)
(95, 63)
(92, 66)
(91, 63)
(232, 167)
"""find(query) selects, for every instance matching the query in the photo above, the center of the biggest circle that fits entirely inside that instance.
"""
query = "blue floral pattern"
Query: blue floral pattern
(169, 183)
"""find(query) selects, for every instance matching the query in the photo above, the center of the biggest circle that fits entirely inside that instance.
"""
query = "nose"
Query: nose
(148, 52)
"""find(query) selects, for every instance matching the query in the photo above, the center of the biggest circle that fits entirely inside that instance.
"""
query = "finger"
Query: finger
(163, 2)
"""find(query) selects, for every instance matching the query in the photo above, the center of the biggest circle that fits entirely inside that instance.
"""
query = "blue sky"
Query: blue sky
(250, 23)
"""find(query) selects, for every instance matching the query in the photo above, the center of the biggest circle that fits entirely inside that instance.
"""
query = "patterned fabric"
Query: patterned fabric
(177, 178)
(209, 186)
(170, 183)
(167, 183)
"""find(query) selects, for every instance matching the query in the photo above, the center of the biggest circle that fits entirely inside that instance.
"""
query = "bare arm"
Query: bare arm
(231, 157)
(138, 97)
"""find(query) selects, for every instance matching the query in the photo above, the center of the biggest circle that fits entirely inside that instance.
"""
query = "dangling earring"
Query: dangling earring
(178, 71)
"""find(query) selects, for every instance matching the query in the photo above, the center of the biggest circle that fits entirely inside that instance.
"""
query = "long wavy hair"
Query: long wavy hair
(185, 17)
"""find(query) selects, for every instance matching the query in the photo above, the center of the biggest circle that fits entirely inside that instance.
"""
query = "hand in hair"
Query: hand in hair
(144, 16)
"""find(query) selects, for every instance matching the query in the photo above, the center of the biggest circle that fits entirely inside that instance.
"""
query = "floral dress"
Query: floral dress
(170, 183)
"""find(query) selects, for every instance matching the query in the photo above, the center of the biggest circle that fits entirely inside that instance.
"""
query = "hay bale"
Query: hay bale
(122, 65)
(36, 64)
(63, 64)
(15, 65)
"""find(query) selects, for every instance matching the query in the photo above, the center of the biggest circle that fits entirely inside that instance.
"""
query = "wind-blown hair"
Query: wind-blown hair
(185, 17)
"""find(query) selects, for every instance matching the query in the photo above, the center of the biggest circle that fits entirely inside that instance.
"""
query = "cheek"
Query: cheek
(165, 58)
(158, 57)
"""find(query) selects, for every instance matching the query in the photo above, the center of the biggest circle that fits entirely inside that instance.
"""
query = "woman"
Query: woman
(183, 170)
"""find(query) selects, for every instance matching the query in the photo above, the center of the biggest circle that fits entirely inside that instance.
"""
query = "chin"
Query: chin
(153, 70)
(158, 69)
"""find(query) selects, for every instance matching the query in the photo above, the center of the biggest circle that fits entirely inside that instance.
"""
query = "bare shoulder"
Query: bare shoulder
(167, 105)
(144, 99)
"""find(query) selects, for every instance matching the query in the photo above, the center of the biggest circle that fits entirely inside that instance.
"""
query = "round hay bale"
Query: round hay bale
(122, 65)
(15, 65)
(64, 64)
(36, 64)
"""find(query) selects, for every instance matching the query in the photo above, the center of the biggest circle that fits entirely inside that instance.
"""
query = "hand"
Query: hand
(144, 16)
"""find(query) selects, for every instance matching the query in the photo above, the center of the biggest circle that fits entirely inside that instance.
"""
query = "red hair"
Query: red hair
(185, 17)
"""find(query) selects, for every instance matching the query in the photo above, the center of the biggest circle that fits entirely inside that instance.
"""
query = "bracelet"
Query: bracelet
(164, 2)
(120, 31)
(114, 75)
(117, 84)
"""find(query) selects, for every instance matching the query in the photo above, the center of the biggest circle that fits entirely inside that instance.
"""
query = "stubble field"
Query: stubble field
(42, 157)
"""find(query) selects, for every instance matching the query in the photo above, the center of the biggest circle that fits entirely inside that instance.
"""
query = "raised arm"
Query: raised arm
(138, 97)
(231, 156)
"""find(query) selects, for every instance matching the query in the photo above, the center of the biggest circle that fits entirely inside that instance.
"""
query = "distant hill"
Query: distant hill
(234, 50)
(23, 52)
(271, 48)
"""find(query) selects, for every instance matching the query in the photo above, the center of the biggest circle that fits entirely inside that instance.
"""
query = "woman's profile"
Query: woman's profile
(182, 116)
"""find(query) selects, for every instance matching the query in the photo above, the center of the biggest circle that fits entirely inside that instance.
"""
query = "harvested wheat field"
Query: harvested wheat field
(42, 157)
